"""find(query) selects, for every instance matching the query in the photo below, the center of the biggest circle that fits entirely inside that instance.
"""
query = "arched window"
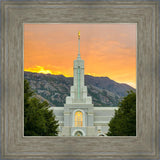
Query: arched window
(78, 133)
(78, 119)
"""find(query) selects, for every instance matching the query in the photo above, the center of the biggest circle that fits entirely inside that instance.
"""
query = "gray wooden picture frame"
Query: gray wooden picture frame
(15, 144)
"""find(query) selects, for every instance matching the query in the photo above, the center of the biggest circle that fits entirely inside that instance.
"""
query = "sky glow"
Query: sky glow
(109, 50)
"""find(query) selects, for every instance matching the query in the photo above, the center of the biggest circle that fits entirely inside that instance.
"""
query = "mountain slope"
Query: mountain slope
(108, 84)
(55, 88)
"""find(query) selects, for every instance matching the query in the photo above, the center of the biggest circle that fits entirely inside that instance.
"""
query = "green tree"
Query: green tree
(38, 120)
(124, 121)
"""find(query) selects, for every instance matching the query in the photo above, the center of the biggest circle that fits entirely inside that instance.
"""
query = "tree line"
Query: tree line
(38, 120)
(124, 121)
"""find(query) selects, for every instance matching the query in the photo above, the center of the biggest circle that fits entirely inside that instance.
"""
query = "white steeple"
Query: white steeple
(78, 92)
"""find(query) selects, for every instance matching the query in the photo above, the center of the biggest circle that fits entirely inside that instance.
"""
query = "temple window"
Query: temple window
(78, 119)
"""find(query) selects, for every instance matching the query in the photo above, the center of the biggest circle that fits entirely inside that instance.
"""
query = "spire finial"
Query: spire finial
(79, 35)
(79, 57)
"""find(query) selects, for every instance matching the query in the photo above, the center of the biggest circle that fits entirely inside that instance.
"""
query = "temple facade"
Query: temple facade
(79, 117)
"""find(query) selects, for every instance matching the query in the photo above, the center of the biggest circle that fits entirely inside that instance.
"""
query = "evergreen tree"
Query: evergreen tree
(124, 121)
(38, 120)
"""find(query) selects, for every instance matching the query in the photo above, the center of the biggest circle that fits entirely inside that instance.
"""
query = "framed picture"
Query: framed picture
(15, 18)
(83, 77)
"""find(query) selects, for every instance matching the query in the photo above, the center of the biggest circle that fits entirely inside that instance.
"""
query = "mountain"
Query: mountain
(55, 88)
(108, 84)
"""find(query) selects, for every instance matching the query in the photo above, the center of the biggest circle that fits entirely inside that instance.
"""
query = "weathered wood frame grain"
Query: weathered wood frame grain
(14, 144)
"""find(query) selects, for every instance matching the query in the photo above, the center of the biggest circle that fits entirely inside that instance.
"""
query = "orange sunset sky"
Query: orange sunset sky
(107, 49)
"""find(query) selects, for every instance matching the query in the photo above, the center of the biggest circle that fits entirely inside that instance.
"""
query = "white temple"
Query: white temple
(79, 117)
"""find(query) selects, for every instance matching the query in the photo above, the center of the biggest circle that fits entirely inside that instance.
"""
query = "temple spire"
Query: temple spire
(79, 56)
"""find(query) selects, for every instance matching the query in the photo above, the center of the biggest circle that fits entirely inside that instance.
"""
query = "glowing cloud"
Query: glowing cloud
(39, 69)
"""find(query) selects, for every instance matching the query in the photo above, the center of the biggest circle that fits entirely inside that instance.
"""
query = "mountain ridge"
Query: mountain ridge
(55, 88)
